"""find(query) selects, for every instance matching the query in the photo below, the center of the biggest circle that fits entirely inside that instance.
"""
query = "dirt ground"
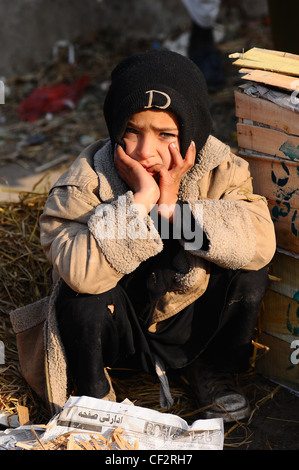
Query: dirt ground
(273, 423)
(29, 150)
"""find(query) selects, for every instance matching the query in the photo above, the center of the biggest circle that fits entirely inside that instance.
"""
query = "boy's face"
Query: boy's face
(148, 136)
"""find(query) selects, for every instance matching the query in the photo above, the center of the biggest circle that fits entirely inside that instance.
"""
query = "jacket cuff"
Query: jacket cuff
(229, 229)
(125, 238)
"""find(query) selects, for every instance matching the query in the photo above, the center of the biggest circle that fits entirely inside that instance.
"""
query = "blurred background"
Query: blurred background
(72, 46)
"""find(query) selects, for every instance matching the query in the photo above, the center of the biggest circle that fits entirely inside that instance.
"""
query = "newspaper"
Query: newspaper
(10, 437)
(152, 429)
(8, 420)
(285, 100)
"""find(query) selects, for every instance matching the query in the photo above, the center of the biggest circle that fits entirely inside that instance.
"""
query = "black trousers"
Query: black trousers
(218, 326)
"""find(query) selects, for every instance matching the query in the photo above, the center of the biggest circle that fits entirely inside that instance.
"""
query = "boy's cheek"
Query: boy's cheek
(129, 147)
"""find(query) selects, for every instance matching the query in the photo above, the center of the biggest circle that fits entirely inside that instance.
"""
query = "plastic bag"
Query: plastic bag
(52, 99)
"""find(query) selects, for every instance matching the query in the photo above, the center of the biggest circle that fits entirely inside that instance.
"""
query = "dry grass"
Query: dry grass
(24, 274)
(24, 278)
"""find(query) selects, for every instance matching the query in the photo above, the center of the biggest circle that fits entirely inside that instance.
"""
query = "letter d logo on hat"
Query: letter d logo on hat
(152, 97)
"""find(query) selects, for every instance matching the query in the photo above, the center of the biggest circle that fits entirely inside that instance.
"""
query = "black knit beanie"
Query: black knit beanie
(164, 80)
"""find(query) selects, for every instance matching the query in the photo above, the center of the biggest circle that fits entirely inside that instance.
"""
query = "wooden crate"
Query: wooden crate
(280, 362)
(279, 323)
(278, 180)
(268, 138)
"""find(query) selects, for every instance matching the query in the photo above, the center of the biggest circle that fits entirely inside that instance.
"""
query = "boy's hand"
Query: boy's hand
(151, 182)
(142, 183)
(170, 179)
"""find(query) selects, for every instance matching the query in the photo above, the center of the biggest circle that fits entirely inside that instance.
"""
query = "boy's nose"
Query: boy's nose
(145, 148)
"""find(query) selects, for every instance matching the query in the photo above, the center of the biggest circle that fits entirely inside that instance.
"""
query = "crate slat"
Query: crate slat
(268, 141)
(266, 112)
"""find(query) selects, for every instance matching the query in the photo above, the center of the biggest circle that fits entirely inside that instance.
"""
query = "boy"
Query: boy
(158, 244)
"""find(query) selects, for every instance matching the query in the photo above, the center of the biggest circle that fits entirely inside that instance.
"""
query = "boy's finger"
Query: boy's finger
(177, 158)
(122, 159)
(190, 154)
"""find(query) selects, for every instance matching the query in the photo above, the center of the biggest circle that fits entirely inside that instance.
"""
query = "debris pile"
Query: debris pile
(69, 441)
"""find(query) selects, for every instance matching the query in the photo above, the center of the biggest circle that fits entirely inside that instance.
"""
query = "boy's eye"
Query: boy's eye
(131, 130)
(167, 134)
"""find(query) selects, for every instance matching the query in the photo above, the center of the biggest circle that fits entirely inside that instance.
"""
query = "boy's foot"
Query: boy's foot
(216, 393)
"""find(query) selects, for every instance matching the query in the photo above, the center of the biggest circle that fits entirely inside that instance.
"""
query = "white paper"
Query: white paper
(152, 429)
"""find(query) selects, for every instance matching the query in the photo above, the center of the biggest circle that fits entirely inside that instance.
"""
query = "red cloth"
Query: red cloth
(51, 99)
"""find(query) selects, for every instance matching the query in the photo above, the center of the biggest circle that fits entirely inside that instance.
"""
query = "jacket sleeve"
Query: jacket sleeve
(75, 235)
(237, 225)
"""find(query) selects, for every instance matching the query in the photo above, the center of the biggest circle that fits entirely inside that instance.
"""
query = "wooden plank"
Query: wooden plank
(253, 50)
(288, 55)
(286, 82)
(268, 141)
(280, 362)
(279, 316)
(23, 414)
(273, 61)
(266, 112)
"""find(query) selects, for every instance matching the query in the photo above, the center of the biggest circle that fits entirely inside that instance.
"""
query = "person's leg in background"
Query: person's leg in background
(202, 49)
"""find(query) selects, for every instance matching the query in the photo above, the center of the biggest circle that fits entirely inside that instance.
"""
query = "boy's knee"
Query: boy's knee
(253, 285)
